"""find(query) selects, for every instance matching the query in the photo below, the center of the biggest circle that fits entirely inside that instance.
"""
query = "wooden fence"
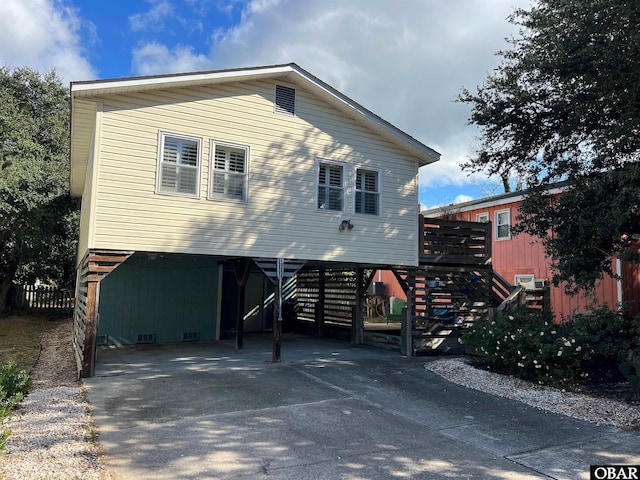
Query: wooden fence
(43, 298)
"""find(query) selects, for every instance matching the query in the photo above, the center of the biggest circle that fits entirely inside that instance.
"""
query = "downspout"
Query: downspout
(619, 281)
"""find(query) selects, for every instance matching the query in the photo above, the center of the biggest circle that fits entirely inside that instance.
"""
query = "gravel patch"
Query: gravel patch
(601, 411)
(51, 438)
(51, 430)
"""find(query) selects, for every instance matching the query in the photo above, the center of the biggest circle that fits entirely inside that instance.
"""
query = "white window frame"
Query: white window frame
(343, 166)
(212, 170)
(378, 172)
(498, 225)
(482, 217)
(160, 162)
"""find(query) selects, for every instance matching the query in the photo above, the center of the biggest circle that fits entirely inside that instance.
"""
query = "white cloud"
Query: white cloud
(462, 199)
(406, 63)
(43, 34)
(154, 19)
(153, 58)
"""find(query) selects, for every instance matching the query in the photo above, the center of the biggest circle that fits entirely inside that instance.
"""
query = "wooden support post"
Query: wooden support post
(357, 323)
(90, 331)
(319, 317)
(406, 334)
(277, 328)
(241, 268)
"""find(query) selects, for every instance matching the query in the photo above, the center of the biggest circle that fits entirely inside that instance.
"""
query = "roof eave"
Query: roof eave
(290, 72)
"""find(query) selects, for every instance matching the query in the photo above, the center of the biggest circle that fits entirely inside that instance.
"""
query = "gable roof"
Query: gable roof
(83, 107)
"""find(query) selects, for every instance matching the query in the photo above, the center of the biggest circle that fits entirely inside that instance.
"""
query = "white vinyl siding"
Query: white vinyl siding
(229, 172)
(282, 218)
(330, 186)
(179, 165)
(503, 224)
(367, 191)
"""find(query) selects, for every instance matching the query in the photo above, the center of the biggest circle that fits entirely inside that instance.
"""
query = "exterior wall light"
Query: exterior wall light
(345, 224)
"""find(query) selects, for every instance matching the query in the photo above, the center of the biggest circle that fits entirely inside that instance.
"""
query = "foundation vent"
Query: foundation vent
(146, 338)
(102, 340)
(190, 336)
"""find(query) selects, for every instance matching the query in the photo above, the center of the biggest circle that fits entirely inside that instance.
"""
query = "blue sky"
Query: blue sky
(406, 60)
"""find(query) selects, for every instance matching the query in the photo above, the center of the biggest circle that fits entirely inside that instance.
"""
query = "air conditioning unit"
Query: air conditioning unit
(540, 282)
(527, 281)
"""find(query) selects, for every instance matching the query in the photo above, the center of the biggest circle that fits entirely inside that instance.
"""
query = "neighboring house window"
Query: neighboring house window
(285, 100)
(482, 217)
(503, 224)
(179, 165)
(367, 197)
(229, 171)
(330, 186)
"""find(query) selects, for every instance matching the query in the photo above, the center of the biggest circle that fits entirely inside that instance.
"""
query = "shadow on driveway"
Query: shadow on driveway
(327, 411)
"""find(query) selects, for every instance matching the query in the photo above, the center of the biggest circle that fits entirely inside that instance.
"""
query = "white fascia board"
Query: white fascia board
(370, 116)
(425, 154)
(98, 87)
(482, 204)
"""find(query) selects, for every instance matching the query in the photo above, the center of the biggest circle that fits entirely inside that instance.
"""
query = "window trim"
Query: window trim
(212, 151)
(483, 214)
(378, 171)
(162, 135)
(498, 225)
(342, 165)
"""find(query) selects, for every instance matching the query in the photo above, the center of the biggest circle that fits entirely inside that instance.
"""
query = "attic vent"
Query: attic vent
(190, 336)
(285, 100)
(146, 338)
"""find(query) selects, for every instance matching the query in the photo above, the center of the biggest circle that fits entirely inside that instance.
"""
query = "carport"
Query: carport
(127, 298)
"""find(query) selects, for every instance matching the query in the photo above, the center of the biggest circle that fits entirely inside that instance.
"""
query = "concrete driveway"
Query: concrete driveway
(328, 411)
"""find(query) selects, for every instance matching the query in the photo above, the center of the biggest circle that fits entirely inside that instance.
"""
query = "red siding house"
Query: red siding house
(521, 258)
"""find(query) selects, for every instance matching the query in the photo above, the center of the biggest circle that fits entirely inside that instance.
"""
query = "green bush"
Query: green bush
(14, 385)
(599, 345)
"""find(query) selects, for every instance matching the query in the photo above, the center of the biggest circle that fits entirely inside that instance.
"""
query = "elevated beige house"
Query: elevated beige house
(183, 174)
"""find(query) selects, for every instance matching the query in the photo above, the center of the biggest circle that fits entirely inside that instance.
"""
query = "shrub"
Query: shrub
(530, 346)
(14, 385)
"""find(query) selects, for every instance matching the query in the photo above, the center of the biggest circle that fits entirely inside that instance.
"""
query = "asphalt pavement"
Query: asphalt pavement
(328, 410)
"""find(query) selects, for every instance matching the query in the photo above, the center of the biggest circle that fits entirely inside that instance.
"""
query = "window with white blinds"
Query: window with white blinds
(330, 186)
(229, 172)
(367, 191)
(179, 165)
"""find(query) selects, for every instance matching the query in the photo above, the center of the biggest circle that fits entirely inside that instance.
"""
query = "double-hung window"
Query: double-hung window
(367, 191)
(503, 224)
(179, 165)
(330, 186)
(229, 171)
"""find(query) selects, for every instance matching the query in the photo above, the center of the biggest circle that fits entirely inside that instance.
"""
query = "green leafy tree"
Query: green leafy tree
(38, 220)
(564, 104)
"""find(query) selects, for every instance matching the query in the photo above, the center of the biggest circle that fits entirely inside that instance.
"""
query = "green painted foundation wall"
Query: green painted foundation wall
(160, 299)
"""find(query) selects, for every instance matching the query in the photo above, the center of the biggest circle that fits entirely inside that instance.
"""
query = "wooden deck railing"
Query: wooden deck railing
(454, 242)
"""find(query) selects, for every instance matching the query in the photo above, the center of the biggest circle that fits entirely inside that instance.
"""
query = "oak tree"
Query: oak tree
(38, 220)
(564, 105)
